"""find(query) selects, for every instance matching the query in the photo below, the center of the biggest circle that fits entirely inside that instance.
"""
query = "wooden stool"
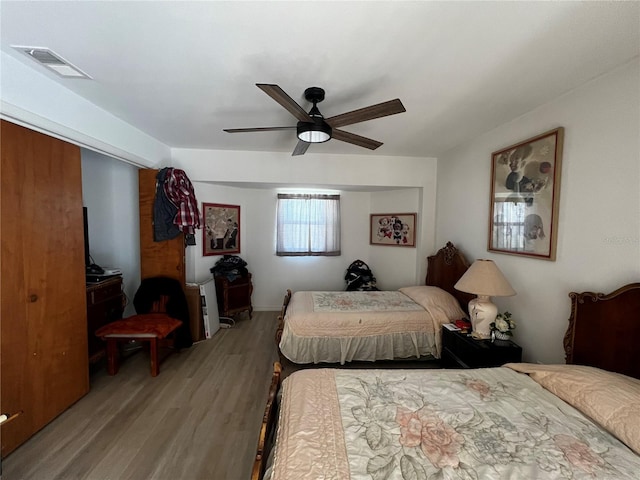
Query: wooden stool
(144, 328)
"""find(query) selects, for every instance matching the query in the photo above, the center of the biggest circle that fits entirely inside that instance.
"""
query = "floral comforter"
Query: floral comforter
(438, 424)
(367, 326)
(381, 301)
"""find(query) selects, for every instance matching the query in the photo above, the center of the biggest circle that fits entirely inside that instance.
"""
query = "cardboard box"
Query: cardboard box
(195, 312)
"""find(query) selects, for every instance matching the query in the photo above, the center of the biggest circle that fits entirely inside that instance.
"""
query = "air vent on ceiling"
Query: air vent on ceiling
(52, 61)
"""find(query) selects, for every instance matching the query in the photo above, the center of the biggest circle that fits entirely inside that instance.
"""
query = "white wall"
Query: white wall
(110, 193)
(599, 219)
(272, 275)
(391, 184)
(395, 267)
(30, 98)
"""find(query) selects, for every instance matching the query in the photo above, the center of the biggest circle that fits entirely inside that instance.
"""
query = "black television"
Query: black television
(87, 256)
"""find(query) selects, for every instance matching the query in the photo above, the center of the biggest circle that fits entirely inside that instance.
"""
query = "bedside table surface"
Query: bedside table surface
(460, 350)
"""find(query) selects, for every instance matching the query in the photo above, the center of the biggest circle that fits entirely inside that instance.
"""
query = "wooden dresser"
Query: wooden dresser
(104, 305)
(234, 296)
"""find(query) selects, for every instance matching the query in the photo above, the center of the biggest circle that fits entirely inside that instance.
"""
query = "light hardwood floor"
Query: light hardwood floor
(199, 419)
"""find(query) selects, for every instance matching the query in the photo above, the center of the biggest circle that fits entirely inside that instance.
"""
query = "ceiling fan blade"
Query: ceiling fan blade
(301, 148)
(355, 139)
(367, 113)
(280, 96)
(257, 129)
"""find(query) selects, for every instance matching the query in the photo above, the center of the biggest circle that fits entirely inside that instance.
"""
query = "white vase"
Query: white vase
(501, 336)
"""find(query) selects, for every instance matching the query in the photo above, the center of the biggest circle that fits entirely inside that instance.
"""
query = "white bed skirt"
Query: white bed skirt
(361, 348)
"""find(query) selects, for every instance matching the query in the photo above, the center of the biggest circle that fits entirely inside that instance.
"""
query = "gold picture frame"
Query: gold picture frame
(525, 197)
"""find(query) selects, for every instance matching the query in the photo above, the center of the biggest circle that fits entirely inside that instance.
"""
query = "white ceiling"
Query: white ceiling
(183, 71)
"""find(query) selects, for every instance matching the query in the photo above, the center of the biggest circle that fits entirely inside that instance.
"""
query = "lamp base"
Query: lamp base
(483, 313)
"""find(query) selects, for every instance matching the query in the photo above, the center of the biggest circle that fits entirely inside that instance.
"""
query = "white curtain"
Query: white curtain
(308, 225)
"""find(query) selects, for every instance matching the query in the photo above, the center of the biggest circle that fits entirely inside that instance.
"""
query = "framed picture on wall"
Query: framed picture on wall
(525, 191)
(393, 229)
(221, 232)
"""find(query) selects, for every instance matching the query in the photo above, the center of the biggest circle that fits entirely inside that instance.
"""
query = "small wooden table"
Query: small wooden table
(149, 327)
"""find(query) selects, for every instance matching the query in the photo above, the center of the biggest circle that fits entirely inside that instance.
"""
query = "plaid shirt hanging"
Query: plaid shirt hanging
(179, 191)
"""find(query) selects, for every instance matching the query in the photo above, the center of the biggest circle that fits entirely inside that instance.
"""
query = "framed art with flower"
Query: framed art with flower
(525, 191)
(221, 232)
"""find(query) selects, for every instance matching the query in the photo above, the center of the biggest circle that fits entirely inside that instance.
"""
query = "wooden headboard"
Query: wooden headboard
(604, 330)
(445, 268)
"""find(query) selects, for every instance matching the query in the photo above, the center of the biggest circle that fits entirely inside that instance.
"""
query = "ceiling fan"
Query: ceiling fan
(312, 127)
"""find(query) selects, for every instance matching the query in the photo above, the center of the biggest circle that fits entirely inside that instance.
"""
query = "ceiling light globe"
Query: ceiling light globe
(314, 132)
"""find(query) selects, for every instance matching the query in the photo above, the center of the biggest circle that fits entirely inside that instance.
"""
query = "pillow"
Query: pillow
(611, 399)
(430, 297)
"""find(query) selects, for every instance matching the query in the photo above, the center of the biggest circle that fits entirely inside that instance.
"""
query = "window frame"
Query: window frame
(332, 242)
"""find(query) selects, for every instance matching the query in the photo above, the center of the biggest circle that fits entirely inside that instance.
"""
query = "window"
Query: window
(509, 225)
(308, 225)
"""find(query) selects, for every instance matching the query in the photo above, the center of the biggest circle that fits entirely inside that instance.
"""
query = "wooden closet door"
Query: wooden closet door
(43, 357)
(157, 259)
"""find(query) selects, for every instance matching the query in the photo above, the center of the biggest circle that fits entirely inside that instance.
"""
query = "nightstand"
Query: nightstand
(105, 304)
(460, 350)
(234, 296)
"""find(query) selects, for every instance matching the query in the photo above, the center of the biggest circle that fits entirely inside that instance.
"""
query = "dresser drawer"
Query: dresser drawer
(104, 305)
(102, 292)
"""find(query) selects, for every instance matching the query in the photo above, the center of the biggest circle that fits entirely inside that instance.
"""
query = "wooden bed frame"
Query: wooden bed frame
(268, 428)
(280, 327)
(604, 330)
(444, 269)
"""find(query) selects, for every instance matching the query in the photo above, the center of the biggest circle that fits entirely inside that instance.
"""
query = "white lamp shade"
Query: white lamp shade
(485, 278)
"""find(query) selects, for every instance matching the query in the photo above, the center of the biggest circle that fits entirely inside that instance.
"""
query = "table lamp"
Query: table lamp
(485, 280)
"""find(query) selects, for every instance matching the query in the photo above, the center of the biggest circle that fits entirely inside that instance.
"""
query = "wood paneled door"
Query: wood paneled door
(43, 358)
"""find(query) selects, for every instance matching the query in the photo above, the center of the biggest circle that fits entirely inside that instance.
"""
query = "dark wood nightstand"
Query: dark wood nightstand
(234, 296)
(105, 304)
(460, 350)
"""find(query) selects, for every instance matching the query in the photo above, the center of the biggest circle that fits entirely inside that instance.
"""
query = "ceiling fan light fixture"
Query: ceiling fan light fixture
(314, 132)
(312, 127)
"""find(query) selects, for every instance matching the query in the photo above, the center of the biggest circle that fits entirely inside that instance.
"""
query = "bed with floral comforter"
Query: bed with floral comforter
(495, 423)
(339, 327)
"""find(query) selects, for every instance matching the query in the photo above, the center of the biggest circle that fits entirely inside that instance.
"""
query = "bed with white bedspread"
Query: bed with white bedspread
(339, 327)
